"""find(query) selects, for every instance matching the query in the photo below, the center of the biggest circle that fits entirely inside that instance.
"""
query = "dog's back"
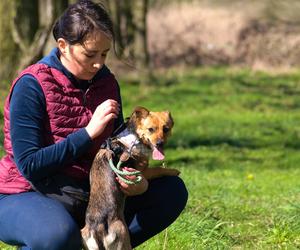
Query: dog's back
(105, 225)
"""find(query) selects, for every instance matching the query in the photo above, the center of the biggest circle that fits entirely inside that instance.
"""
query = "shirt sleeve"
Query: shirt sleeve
(34, 159)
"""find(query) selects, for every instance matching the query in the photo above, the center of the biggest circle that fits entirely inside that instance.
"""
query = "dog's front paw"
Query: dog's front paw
(172, 171)
(152, 173)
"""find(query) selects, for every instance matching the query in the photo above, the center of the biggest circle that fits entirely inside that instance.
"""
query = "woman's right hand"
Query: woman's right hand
(103, 114)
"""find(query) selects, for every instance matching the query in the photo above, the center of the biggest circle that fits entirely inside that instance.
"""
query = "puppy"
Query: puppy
(145, 135)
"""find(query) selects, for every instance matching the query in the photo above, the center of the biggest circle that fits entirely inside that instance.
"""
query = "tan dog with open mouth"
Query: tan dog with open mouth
(146, 133)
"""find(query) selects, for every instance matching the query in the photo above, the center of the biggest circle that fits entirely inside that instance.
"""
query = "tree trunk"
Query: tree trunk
(33, 50)
(9, 51)
(130, 25)
(140, 47)
(115, 9)
(24, 30)
(59, 7)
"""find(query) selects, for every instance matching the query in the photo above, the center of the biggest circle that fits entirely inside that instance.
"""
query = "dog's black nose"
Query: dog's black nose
(160, 143)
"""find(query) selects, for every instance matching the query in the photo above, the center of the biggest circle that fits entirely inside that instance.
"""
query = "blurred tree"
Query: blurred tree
(8, 50)
(26, 25)
(141, 54)
(25, 28)
(130, 23)
(36, 16)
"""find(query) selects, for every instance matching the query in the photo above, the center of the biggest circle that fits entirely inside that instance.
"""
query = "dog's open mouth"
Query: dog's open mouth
(158, 153)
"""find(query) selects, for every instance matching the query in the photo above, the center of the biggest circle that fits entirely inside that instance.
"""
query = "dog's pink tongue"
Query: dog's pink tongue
(158, 154)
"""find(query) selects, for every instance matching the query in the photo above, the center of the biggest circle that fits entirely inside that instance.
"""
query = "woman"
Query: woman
(56, 116)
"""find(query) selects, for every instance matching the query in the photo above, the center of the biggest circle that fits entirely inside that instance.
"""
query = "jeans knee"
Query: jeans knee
(178, 193)
(182, 191)
(65, 235)
(171, 197)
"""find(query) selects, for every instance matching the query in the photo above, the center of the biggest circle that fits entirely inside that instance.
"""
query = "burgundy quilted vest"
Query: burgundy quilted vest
(68, 109)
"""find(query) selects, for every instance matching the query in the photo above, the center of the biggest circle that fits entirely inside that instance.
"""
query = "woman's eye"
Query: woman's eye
(89, 56)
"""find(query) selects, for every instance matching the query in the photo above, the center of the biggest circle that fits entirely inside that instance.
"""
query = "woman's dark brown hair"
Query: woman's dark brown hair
(81, 19)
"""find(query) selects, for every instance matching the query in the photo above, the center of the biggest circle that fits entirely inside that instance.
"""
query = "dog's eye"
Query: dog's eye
(166, 129)
(151, 130)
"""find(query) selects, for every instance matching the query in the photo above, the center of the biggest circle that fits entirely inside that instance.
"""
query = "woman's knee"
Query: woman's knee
(62, 234)
(53, 228)
(175, 192)
(172, 195)
(34, 221)
(180, 190)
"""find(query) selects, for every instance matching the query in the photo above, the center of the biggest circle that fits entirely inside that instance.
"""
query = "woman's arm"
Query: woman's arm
(27, 119)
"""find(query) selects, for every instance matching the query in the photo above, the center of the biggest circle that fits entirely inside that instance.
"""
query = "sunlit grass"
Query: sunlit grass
(236, 142)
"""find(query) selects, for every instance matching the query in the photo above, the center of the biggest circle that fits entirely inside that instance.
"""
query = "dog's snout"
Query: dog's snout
(160, 143)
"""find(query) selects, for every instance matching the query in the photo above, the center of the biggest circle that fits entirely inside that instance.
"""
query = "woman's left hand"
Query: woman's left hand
(133, 189)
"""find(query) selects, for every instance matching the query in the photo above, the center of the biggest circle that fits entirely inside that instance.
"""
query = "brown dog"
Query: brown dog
(145, 134)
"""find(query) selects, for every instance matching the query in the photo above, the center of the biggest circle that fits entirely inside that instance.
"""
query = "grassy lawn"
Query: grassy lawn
(236, 140)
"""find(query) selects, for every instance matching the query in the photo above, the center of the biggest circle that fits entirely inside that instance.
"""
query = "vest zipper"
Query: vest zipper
(85, 92)
(84, 96)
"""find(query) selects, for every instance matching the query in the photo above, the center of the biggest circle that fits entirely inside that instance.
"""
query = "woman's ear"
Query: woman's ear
(62, 45)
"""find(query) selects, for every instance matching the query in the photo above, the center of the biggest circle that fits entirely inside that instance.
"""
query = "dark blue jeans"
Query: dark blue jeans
(37, 222)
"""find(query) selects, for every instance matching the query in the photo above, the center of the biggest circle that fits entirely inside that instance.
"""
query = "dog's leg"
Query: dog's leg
(117, 237)
(152, 173)
(88, 239)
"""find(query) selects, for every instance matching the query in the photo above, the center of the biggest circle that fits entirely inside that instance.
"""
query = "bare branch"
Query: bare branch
(33, 52)
(17, 36)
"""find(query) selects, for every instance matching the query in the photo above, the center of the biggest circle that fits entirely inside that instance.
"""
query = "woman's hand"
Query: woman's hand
(103, 114)
(133, 189)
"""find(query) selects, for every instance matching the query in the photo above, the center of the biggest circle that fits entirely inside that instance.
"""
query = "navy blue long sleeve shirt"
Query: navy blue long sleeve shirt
(27, 114)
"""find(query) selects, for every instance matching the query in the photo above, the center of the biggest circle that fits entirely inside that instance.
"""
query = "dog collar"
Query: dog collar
(128, 139)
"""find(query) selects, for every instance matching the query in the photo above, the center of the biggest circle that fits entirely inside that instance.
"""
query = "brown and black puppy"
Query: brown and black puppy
(105, 226)
(145, 135)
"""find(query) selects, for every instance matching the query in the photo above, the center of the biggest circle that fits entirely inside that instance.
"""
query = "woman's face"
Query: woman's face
(85, 60)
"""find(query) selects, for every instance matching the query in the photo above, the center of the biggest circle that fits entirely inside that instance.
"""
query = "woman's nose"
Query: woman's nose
(97, 65)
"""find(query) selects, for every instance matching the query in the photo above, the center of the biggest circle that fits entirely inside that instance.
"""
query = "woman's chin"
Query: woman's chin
(87, 76)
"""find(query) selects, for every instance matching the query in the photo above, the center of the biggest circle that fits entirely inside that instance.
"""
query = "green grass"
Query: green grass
(236, 141)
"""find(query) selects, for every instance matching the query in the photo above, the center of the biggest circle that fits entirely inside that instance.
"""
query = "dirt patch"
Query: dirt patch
(265, 45)
(200, 34)
(192, 34)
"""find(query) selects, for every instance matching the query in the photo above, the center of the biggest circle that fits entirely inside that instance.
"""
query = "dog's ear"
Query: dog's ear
(140, 112)
(171, 121)
(137, 115)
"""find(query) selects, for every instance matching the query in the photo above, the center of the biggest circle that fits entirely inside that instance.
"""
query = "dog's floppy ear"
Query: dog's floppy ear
(140, 112)
(137, 115)
(171, 121)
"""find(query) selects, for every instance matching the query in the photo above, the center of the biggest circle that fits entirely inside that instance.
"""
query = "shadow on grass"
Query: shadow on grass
(293, 144)
(209, 164)
(196, 141)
